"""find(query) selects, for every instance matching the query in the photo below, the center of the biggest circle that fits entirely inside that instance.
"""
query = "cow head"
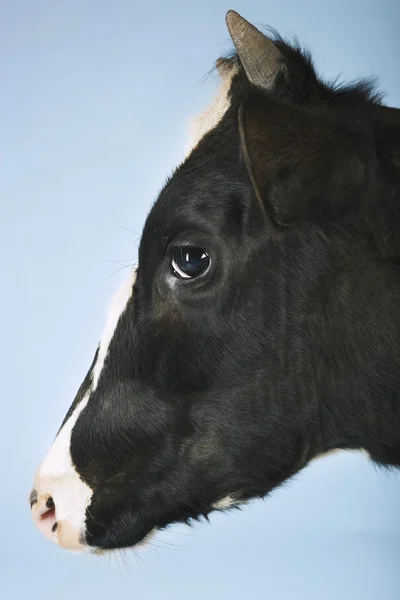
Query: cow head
(214, 379)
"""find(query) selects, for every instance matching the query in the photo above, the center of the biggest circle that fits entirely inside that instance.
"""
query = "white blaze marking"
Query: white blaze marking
(57, 476)
(116, 310)
(209, 118)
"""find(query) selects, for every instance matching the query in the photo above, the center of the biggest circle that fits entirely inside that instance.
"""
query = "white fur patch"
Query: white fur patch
(324, 454)
(338, 450)
(116, 310)
(57, 477)
(209, 118)
(58, 462)
(227, 502)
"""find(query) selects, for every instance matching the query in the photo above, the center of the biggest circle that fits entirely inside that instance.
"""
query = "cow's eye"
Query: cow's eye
(188, 262)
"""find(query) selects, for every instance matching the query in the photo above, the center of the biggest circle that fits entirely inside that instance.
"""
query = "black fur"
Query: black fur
(289, 346)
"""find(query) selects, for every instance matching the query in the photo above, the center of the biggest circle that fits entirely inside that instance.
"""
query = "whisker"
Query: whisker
(124, 557)
(166, 554)
(126, 228)
(118, 270)
(122, 260)
(171, 545)
(119, 567)
(92, 517)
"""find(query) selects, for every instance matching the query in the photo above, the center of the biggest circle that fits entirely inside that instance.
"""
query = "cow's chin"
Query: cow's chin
(143, 544)
(224, 504)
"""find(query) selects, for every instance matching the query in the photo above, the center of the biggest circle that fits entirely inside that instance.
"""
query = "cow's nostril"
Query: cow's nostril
(48, 514)
(44, 515)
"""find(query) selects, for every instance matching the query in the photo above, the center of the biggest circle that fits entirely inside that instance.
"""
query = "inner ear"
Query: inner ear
(305, 169)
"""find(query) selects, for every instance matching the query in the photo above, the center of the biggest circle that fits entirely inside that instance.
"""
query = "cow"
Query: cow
(261, 326)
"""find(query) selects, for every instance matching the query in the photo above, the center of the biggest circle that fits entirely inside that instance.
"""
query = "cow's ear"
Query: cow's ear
(304, 170)
(261, 59)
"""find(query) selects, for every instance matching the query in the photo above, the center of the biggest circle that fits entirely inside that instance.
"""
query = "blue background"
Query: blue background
(93, 107)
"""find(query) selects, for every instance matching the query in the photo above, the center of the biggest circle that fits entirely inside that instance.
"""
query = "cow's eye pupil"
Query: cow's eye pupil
(188, 262)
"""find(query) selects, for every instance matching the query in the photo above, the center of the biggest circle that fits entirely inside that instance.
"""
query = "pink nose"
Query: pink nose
(44, 515)
(60, 531)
